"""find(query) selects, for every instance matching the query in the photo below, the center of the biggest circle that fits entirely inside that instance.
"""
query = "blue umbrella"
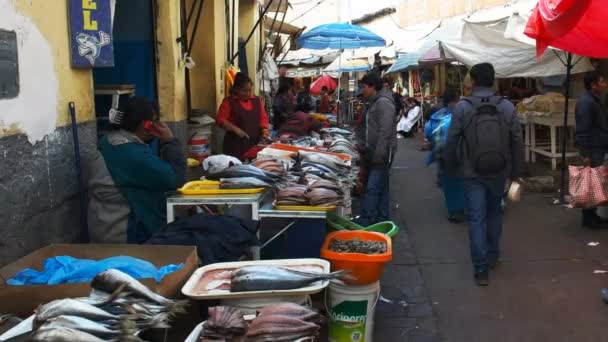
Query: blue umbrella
(339, 36)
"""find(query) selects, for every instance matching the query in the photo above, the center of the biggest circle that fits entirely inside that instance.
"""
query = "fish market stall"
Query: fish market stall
(302, 179)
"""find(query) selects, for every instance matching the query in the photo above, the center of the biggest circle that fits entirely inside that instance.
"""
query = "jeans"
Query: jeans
(375, 201)
(483, 201)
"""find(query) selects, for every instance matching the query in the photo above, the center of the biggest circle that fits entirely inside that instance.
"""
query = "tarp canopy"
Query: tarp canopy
(447, 30)
(511, 58)
(343, 64)
(576, 26)
(436, 55)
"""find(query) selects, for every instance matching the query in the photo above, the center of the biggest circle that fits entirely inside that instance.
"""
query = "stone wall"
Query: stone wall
(39, 190)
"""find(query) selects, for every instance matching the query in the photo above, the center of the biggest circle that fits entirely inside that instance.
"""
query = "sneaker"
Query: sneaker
(482, 278)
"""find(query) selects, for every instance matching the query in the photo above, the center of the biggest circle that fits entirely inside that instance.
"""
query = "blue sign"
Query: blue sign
(91, 33)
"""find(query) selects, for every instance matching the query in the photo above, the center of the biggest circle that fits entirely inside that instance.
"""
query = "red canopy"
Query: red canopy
(323, 81)
(576, 26)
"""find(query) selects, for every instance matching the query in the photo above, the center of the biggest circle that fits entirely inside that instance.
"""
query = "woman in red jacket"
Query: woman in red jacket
(243, 117)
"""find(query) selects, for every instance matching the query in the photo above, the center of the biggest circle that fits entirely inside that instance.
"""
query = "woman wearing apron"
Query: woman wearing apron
(243, 117)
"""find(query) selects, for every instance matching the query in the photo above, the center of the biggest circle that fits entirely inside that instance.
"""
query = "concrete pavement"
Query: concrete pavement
(544, 290)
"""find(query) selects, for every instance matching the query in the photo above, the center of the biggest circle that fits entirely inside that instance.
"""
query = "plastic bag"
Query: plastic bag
(66, 269)
(588, 186)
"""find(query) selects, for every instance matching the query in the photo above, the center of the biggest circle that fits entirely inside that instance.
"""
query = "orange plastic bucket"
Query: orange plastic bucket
(366, 268)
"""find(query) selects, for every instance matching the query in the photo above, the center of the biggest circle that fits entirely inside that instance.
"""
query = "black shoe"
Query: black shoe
(482, 278)
(457, 219)
(595, 224)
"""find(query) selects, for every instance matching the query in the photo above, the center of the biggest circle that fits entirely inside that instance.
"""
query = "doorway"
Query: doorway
(134, 71)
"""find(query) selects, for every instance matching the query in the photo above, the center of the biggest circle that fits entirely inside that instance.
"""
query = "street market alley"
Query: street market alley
(544, 290)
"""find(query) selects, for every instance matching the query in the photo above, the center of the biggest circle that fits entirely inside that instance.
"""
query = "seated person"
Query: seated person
(299, 124)
(129, 179)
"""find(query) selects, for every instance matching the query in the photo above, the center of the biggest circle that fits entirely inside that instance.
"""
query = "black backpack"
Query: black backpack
(487, 136)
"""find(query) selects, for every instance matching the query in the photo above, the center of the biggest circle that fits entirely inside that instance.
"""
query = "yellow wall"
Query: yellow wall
(248, 15)
(171, 81)
(74, 85)
(202, 77)
(417, 12)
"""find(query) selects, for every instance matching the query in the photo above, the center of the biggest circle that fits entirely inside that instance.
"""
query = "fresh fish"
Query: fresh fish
(112, 279)
(243, 183)
(62, 334)
(320, 167)
(71, 307)
(328, 160)
(82, 324)
(219, 163)
(241, 171)
(264, 278)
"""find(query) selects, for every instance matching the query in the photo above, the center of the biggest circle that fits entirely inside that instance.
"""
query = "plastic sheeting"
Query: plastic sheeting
(576, 26)
(66, 269)
(511, 58)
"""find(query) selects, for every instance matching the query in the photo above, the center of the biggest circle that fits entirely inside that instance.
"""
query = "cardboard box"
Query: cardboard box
(22, 300)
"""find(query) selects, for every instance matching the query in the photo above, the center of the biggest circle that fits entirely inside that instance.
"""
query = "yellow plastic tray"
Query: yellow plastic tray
(214, 189)
(302, 207)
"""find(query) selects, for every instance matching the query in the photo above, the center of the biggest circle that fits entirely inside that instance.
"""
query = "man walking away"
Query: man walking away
(485, 147)
(380, 145)
(592, 132)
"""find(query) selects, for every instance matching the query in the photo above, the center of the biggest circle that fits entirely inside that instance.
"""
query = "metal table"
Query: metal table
(267, 210)
(253, 200)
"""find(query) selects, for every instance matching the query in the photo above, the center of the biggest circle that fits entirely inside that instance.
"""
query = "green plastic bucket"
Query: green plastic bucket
(388, 228)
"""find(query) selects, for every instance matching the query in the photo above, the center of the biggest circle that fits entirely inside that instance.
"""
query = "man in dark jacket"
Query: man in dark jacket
(380, 145)
(592, 132)
(483, 192)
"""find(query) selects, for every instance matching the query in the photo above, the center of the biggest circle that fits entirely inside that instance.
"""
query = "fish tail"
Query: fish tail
(178, 307)
(341, 275)
(118, 293)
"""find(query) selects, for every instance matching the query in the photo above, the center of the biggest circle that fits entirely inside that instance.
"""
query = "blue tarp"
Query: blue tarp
(339, 36)
(66, 269)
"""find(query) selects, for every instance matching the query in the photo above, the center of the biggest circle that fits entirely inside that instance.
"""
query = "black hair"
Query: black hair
(373, 80)
(413, 100)
(136, 110)
(241, 80)
(483, 75)
(388, 80)
(324, 88)
(592, 77)
(283, 88)
(449, 95)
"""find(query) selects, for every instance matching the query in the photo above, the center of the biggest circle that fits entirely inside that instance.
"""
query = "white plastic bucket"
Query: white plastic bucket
(351, 311)
(199, 142)
(249, 306)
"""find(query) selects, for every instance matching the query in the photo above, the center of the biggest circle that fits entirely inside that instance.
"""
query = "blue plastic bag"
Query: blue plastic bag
(66, 269)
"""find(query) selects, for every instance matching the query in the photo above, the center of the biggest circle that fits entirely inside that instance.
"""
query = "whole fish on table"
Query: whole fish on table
(111, 280)
(80, 323)
(243, 183)
(62, 334)
(71, 307)
(265, 278)
(241, 171)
